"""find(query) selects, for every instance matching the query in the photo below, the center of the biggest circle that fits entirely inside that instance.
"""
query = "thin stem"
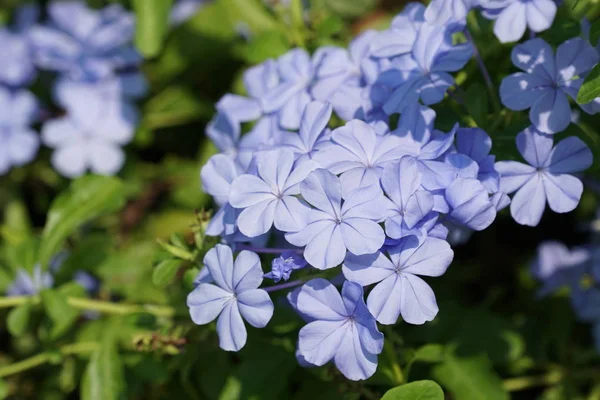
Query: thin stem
(526, 382)
(484, 71)
(95, 305)
(284, 285)
(43, 358)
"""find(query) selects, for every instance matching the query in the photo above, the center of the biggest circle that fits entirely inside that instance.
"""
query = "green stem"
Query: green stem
(43, 358)
(526, 382)
(95, 305)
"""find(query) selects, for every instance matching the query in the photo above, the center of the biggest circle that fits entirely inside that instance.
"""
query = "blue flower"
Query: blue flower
(217, 175)
(423, 74)
(546, 178)
(234, 295)
(18, 68)
(27, 284)
(416, 121)
(183, 10)
(476, 144)
(291, 95)
(341, 75)
(514, 16)
(556, 265)
(442, 11)
(313, 133)
(342, 329)
(548, 80)
(359, 154)
(269, 197)
(401, 36)
(18, 143)
(333, 227)
(399, 290)
(283, 266)
(470, 203)
(83, 43)
(401, 182)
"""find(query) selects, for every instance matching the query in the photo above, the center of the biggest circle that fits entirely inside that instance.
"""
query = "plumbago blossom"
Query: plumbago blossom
(371, 199)
(556, 266)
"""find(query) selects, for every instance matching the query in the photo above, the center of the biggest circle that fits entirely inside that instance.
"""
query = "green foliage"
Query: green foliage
(470, 378)
(61, 314)
(165, 272)
(152, 18)
(590, 89)
(18, 318)
(87, 198)
(419, 390)
(104, 375)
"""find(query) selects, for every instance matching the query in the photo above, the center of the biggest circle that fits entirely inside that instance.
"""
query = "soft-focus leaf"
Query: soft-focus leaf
(470, 378)
(165, 272)
(350, 8)
(59, 311)
(87, 198)
(430, 353)
(18, 319)
(419, 390)
(151, 25)
(251, 12)
(590, 89)
(476, 102)
(103, 377)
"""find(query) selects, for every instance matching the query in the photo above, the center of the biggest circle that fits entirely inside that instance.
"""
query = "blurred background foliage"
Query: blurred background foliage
(493, 338)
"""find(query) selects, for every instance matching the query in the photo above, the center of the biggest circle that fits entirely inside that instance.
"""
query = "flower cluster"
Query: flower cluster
(578, 269)
(97, 83)
(373, 196)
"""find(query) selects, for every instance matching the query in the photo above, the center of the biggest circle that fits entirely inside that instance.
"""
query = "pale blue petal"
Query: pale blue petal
(247, 273)
(256, 307)
(230, 328)
(367, 269)
(319, 341)
(528, 204)
(563, 192)
(206, 302)
(418, 304)
(470, 204)
(219, 261)
(362, 236)
(318, 299)
(568, 156)
(257, 219)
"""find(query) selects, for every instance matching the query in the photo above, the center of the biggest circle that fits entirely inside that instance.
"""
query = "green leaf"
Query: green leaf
(470, 378)
(419, 390)
(151, 26)
(431, 353)
(18, 319)
(3, 389)
(176, 105)
(59, 311)
(103, 377)
(590, 89)
(252, 12)
(87, 198)
(350, 8)
(165, 272)
(264, 46)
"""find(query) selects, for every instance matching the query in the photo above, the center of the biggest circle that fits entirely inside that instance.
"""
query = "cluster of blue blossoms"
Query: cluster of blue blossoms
(96, 83)
(375, 200)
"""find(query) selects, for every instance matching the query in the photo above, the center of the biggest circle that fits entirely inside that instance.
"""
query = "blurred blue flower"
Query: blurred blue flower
(18, 143)
(183, 10)
(546, 178)
(16, 58)
(342, 329)
(359, 154)
(333, 227)
(84, 43)
(399, 290)
(235, 295)
(269, 197)
(513, 17)
(548, 80)
(283, 266)
(30, 284)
